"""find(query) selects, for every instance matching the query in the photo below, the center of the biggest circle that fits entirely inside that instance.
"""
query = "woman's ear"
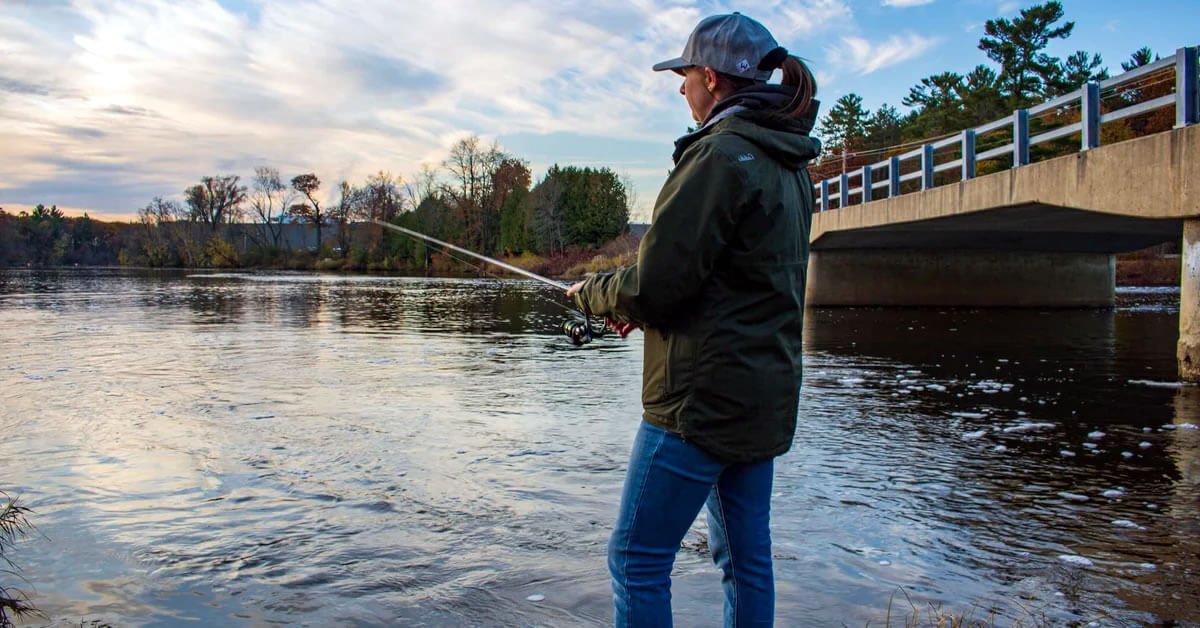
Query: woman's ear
(711, 79)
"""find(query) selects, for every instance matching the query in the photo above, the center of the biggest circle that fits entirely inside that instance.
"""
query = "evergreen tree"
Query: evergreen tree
(844, 127)
(1017, 45)
(982, 100)
(1078, 69)
(1141, 56)
(884, 128)
(937, 105)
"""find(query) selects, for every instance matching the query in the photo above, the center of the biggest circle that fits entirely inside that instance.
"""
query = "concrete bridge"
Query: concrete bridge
(1034, 235)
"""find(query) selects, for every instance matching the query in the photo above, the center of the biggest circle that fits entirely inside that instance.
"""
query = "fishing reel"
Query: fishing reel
(582, 329)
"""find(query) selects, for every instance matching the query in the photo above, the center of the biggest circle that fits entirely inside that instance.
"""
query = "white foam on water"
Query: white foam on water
(1125, 523)
(1097, 435)
(974, 435)
(1030, 427)
(1076, 560)
(1113, 493)
(1075, 497)
(1157, 384)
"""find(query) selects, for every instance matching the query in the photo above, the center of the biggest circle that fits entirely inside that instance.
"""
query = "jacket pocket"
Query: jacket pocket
(654, 368)
(680, 363)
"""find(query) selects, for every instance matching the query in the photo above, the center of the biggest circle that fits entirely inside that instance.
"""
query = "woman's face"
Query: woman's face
(696, 89)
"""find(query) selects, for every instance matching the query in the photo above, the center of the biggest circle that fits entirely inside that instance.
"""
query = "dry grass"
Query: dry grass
(14, 604)
(577, 262)
(934, 616)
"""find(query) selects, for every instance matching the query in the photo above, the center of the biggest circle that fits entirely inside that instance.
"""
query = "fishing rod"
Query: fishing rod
(579, 328)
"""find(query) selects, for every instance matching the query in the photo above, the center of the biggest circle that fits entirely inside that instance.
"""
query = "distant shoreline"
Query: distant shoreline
(1133, 270)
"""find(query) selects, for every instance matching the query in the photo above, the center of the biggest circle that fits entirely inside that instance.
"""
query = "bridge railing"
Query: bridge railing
(886, 177)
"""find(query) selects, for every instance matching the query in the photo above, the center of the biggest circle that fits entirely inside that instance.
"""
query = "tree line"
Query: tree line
(481, 198)
(1021, 74)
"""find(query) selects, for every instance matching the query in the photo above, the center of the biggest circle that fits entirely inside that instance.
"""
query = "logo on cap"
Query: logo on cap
(743, 65)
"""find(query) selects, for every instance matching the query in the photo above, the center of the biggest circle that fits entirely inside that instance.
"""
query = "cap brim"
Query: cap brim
(675, 64)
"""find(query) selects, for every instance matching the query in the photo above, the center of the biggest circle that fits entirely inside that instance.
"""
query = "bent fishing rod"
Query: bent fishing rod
(579, 328)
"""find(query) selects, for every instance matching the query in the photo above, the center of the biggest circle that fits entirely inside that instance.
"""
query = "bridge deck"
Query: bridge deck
(1113, 198)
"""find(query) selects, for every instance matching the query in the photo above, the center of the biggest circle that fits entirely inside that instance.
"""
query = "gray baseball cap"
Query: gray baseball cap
(731, 44)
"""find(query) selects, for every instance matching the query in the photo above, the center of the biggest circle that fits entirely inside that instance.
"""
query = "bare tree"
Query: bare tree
(548, 219)
(270, 199)
(162, 238)
(348, 200)
(216, 200)
(472, 167)
(423, 186)
(308, 184)
(631, 196)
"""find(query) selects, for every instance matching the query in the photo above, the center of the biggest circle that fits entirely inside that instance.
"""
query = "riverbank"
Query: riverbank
(572, 263)
(1148, 271)
(1134, 269)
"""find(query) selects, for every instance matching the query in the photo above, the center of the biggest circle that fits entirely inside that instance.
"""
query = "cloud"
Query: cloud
(146, 96)
(905, 3)
(863, 56)
(21, 87)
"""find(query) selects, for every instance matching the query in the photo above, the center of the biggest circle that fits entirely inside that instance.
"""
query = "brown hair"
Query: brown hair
(795, 74)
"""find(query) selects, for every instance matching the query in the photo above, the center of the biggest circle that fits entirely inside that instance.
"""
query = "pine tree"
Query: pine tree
(845, 125)
(1017, 45)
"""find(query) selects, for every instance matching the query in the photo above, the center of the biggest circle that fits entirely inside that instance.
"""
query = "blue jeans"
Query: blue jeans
(669, 479)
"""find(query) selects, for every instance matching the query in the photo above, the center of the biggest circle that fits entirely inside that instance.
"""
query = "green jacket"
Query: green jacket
(719, 287)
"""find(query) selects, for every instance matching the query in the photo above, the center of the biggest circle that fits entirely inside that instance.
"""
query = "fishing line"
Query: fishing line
(580, 328)
(485, 271)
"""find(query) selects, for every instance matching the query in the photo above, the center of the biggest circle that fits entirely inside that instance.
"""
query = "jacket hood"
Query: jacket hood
(754, 109)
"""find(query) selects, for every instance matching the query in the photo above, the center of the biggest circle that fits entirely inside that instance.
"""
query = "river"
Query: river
(276, 448)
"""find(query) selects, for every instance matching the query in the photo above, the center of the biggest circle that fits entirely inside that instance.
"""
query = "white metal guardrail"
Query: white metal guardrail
(836, 192)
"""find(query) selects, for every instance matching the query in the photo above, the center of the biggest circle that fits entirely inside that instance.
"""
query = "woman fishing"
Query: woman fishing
(718, 288)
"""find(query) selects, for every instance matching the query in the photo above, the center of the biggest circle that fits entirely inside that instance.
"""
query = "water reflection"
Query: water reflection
(277, 447)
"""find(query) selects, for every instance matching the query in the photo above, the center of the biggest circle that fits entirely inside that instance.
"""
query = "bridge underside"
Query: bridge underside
(1031, 255)
(960, 278)
(1029, 227)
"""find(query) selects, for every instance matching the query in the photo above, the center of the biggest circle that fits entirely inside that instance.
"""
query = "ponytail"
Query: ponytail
(796, 74)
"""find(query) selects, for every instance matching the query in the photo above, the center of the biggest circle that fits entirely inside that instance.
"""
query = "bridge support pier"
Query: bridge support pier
(1189, 303)
(968, 278)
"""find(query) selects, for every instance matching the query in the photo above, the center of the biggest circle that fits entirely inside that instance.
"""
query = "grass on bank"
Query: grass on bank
(14, 604)
(934, 616)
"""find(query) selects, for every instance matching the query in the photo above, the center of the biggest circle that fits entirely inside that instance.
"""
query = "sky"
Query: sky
(106, 104)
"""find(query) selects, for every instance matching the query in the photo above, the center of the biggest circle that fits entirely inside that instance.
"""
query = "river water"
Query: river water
(261, 449)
